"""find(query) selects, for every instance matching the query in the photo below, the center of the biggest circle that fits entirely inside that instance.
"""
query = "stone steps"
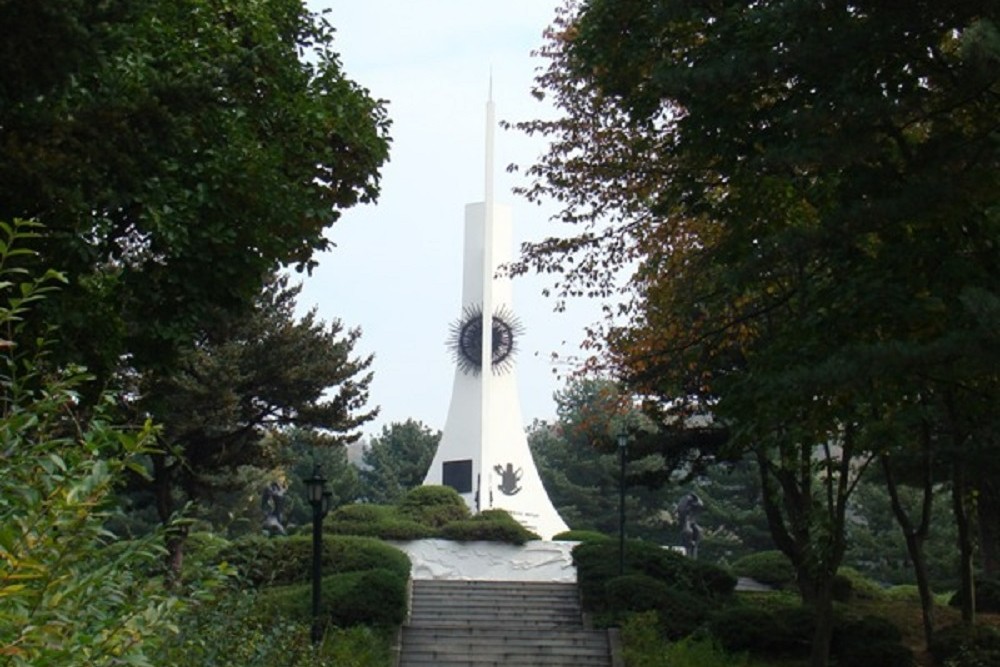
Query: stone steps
(491, 623)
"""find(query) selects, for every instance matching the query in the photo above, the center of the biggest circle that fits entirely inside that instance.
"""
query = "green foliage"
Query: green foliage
(987, 595)
(751, 629)
(288, 560)
(962, 645)
(72, 594)
(433, 506)
(870, 640)
(768, 567)
(850, 584)
(374, 597)
(581, 536)
(494, 525)
(177, 153)
(234, 629)
(266, 370)
(643, 646)
(680, 612)
(375, 521)
(397, 460)
(597, 564)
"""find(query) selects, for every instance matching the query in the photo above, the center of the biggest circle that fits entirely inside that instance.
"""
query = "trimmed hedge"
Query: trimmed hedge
(384, 521)
(768, 567)
(434, 506)
(597, 563)
(581, 536)
(493, 525)
(288, 560)
(373, 597)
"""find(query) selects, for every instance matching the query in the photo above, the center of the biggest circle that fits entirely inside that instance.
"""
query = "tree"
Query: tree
(812, 225)
(251, 375)
(397, 460)
(177, 154)
(71, 594)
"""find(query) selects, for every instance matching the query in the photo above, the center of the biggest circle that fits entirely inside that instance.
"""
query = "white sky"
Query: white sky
(397, 269)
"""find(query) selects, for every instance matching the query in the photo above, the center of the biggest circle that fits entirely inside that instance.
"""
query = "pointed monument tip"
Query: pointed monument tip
(490, 96)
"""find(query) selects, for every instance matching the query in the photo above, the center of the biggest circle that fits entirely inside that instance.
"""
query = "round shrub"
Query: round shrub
(870, 640)
(768, 567)
(955, 641)
(434, 506)
(372, 597)
(635, 592)
(748, 629)
(856, 585)
(987, 595)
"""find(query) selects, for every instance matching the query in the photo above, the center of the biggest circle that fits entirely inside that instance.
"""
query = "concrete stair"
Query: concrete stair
(493, 623)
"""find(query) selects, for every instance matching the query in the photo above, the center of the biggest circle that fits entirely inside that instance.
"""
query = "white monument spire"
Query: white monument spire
(489, 271)
(483, 452)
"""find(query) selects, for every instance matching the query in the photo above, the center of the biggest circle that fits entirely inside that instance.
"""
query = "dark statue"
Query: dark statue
(272, 501)
(688, 509)
(509, 479)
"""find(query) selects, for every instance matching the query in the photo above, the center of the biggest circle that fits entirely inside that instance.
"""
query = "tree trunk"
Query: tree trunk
(966, 549)
(823, 606)
(916, 537)
(176, 535)
(988, 505)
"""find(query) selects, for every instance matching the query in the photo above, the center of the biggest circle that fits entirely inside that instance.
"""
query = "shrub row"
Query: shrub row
(288, 560)
(424, 512)
(871, 641)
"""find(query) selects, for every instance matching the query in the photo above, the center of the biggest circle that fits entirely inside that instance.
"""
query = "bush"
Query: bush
(235, 628)
(581, 536)
(785, 631)
(288, 560)
(367, 520)
(877, 654)
(643, 646)
(491, 525)
(987, 596)
(748, 629)
(597, 563)
(635, 592)
(964, 642)
(434, 506)
(362, 513)
(373, 597)
(849, 584)
(768, 567)
(865, 630)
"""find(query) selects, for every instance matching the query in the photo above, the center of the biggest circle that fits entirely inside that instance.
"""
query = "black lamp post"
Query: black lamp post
(622, 445)
(319, 498)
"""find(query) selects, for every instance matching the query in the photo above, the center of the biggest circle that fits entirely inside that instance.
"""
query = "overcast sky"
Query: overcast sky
(397, 269)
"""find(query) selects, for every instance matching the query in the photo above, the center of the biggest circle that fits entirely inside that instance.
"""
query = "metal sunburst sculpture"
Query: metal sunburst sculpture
(467, 336)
